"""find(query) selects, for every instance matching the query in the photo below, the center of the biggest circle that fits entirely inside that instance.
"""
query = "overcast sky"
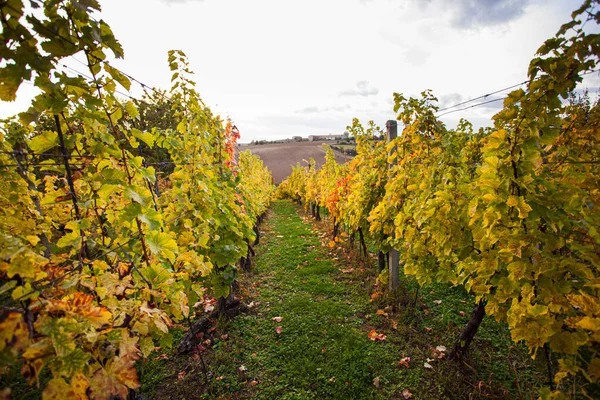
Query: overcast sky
(281, 68)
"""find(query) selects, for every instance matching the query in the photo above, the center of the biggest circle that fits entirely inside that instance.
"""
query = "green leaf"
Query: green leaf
(43, 142)
(131, 110)
(145, 137)
(133, 192)
(162, 244)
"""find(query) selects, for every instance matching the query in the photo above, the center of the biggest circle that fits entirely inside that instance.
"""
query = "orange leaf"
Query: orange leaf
(381, 312)
(375, 296)
(373, 335)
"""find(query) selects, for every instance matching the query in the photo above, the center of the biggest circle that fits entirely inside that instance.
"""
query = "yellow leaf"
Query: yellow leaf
(523, 208)
(59, 389)
(114, 380)
(14, 333)
(33, 239)
(589, 323)
(56, 389)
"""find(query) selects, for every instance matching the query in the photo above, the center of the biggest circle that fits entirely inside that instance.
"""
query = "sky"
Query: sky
(281, 68)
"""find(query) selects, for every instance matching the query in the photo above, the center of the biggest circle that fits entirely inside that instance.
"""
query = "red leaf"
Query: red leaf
(404, 362)
(279, 329)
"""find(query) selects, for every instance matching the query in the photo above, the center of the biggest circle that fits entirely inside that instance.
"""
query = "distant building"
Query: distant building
(315, 138)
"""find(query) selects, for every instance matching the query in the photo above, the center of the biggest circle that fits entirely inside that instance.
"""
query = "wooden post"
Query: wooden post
(393, 256)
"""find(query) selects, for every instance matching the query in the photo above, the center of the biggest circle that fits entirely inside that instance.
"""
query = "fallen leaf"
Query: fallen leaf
(394, 324)
(209, 308)
(375, 296)
(220, 378)
(381, 312)
(279, 329)
(253, 383)
(462, 313)
(332, 379)
(323, 350)
(427, 365)
(439, 352)
(373, 335)
(242, 368)
(181, 375)
(224, 337)
(437, 301)
(277, 319)
(376, 382)
(406, 394)
(404, 362)
(428, 329)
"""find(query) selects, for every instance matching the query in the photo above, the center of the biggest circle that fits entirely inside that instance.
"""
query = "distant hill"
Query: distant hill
(280, 157)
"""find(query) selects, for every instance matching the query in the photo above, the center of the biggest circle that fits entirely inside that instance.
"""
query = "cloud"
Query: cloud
(308, 110)
(316, 110)
(363, 88)
(181, 1)
(472, 13)
(450, 99)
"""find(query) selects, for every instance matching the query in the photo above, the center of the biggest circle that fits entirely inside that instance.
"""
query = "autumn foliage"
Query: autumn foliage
(101, 250)
(511, 213)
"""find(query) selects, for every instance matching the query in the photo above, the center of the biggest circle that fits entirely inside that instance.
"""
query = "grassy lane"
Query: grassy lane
(323, 351)
(320, 349)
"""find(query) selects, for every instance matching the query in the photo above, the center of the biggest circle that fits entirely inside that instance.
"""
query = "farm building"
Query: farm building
(314, 138)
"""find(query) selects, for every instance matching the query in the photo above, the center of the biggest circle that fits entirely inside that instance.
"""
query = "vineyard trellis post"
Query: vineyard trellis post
(393, 256)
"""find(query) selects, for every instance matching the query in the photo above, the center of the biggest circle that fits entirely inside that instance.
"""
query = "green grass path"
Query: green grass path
(322, 351)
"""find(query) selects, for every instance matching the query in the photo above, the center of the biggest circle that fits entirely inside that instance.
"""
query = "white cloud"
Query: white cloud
(363, 88)
(180, 1)
(282, 68)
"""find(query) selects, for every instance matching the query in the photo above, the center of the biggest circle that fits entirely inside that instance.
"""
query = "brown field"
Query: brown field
(280, 157)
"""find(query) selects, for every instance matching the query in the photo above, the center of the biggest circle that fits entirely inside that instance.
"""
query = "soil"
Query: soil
(280, 157)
